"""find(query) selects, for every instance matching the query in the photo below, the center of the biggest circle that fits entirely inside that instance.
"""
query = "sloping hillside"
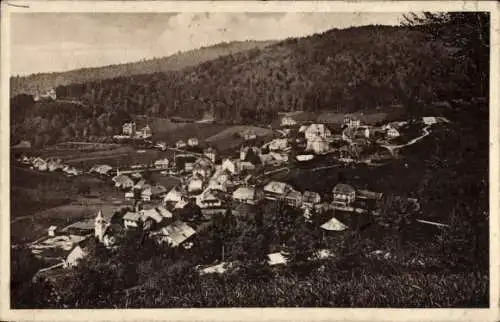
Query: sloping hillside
(45, 81)
(341, 70)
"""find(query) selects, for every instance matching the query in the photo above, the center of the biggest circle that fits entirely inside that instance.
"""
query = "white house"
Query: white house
(161, 163)
(208, 200)
(131, 220)
(288, 121)
(180, 144)
(129, 195)
(317, 130)
(123, 181)
(192, 142)
(75, 256)
(229, 165)
(210, 153)
(351, 121)
(392, 133)
(173, 196)
(52, 231)
(146, 192)
(195, 185)
(244, 194)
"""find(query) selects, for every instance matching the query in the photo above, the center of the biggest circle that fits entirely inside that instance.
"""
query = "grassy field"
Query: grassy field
(39, 200)
(168, 131)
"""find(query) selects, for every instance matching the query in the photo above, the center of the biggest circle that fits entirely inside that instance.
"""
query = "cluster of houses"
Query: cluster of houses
(346, 141)
(210, 184)
(48, 165)
(50, 95)
(130, 131)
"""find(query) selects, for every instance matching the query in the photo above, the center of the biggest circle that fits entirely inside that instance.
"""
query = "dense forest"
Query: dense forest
(341, 70)
(45, 81)
(437, 57)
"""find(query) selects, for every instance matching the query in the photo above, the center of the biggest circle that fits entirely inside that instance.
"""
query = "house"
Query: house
(202, 167)
(144, 133)
(163, 212)
(129, 129)
(276, 190)
(132, 220)
(208, 200)
(102, 169)
(173, 196)
(152, 214)
(334, 225)
(210, 153)
(278, 157)
(293, 198)
(245, 194)
(276, 259)
(195, 185)
(248, 135)
(351, 121)
(140, 184)
(318, 145)
(40, 164)
(192, 142)
(393, 133)
(180, 144)
(123, 181)
(314, 130)
(343, 195)
(181, 203)
(161, 145)
(161, 163)
(71, 171)
(129, 195)
(50, 95)
(245, 166)
(310, 199)
(229, 165)
(429, 120)
(146, 192)
(175, 234)
(75, 256)
(278, 144)
(287, 121)
(54, 165)
(52, 231)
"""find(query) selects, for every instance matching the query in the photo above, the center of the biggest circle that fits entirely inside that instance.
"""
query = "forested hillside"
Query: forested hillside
(44, 81)
(341, 70)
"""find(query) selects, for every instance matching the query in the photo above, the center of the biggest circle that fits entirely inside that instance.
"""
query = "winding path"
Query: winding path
(391, 148)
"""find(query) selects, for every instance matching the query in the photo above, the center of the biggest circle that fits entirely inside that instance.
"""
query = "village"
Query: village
(211, 183)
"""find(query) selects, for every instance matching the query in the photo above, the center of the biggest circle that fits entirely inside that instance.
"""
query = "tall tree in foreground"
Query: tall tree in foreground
(467, 35)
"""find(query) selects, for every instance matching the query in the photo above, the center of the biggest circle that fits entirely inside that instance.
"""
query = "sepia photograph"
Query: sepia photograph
(248, 159)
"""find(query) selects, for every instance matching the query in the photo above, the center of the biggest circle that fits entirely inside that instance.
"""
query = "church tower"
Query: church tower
(100, 226)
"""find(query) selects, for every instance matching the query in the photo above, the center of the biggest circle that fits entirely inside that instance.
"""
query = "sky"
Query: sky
(48, 42)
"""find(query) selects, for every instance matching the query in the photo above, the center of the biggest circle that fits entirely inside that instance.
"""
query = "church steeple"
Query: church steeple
(100, 226)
